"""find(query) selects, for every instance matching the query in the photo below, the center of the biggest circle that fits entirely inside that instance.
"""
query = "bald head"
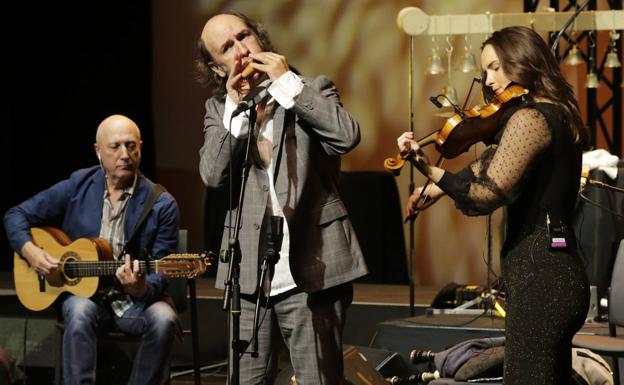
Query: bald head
(114, 123)
(217, 25)
(118, 146)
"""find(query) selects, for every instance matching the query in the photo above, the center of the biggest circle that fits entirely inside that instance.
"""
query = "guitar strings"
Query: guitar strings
(79, 268)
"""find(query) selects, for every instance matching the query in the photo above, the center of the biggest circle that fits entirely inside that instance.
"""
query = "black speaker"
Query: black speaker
(358, 370)
(386, 362)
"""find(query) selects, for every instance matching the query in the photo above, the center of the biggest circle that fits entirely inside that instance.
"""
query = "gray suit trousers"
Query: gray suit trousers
(310, 326)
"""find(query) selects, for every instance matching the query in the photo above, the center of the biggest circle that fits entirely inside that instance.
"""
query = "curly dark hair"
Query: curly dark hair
(527, 60)
(205, 75)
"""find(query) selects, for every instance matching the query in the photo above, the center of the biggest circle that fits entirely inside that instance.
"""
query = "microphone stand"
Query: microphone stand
(566, 26)
(488, 299)
(271, 257)
(231, 295)
(411, 185)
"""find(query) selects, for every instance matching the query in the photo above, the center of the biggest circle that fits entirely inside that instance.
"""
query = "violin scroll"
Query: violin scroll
(394, 165)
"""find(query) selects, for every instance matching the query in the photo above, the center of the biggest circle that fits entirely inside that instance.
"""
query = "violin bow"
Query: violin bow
(422, 196)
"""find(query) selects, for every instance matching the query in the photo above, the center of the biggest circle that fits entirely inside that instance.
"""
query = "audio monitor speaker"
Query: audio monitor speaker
(359, 371)
(362, 366)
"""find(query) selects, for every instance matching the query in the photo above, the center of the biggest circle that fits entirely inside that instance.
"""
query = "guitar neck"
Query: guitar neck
(78, 269)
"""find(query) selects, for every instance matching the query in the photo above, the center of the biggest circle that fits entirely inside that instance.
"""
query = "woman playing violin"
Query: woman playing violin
(533, 169)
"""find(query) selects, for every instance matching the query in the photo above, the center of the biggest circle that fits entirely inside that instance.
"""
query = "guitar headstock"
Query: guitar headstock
(182, 265)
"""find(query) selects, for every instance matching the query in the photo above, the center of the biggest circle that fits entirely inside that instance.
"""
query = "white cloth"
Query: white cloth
(283, 91)
(602, 160)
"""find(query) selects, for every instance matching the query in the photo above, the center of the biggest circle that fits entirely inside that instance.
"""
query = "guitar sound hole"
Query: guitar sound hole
(69, 268)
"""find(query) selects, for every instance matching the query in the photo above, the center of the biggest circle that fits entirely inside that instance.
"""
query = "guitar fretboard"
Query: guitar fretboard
(75, 269)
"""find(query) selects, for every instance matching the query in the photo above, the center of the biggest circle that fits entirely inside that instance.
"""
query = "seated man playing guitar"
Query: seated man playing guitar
(113, 201)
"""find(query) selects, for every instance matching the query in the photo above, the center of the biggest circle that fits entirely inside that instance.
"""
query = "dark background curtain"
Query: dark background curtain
(68, 66)
(372, 200)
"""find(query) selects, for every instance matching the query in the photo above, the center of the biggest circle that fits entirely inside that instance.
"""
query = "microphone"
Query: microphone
(253, 97)
(275, 235)
(421, 355)
(435, 101)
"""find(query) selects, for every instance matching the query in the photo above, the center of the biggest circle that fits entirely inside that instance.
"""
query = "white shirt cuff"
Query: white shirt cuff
(286, 88)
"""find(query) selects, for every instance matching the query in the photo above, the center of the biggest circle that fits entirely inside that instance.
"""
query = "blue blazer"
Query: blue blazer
(75, 206)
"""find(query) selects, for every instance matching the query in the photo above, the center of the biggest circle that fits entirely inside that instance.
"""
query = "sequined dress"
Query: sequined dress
(533, 169)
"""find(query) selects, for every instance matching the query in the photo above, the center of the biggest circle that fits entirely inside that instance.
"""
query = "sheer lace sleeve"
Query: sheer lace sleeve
(496, 178)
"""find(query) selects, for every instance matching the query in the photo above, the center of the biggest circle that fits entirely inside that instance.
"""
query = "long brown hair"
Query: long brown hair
(205, 75)
(527, 61)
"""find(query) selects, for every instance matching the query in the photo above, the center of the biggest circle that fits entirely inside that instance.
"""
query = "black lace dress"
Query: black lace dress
(533, 170)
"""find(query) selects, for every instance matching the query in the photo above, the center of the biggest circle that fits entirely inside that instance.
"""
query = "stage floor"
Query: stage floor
(372, 304)
(378, 318)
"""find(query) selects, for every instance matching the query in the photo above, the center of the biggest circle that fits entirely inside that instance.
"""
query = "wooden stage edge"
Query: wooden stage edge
(363, 293)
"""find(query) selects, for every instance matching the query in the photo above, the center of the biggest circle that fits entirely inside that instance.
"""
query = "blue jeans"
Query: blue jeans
(85, 319)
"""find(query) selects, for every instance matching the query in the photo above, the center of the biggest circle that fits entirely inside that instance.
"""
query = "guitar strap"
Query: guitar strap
(147, 207)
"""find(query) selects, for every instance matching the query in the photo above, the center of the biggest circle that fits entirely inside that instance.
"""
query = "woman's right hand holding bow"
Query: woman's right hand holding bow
(432, 194)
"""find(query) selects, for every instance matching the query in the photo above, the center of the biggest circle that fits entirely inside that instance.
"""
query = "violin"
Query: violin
(461, 131)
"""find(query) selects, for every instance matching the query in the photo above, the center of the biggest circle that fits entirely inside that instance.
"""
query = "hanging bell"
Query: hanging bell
(612, 60)
(435, 65)
(450, 96)
(574, 56)
(469, 63)
(592, 80)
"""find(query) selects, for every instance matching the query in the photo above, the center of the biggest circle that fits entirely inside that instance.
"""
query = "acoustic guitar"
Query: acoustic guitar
(81, 264)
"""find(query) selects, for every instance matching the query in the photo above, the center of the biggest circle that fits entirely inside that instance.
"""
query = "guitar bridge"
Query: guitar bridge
(41, 278)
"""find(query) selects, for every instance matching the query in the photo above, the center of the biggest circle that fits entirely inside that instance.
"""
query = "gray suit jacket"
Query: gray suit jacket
(324, 250)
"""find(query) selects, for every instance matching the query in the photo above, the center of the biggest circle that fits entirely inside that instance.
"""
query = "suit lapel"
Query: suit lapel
(95, 201)
(278, 127)
(280, 120)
